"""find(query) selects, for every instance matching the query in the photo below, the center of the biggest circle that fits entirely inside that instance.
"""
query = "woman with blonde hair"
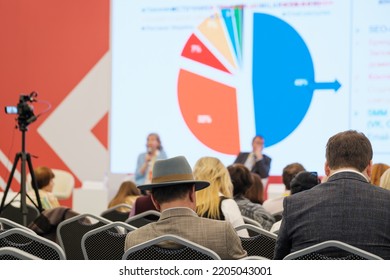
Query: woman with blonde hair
(127, 193)
(385, 180)
(216, 201)
(376, 172)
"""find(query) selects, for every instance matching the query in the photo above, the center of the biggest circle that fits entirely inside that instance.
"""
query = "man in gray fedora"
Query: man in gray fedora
(173, 193)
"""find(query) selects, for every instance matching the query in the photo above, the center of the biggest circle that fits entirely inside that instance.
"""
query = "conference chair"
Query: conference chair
(14, 213)
(262, 244)
(71, 231)
(12, 253)
(250, 221)
(344, 252)
(143, 218)
(254, 258)
(31, 243)
(186, 250)
(6, 224)
(114, 215)
(106, 242)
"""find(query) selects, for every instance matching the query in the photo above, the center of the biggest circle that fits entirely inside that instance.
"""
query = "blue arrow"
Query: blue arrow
(318, 85)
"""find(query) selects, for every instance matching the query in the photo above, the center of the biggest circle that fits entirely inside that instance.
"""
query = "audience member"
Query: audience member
(45, 182)
(385, 180)
(303, 181)
(173, 192)
(377, 170)
(142, 204)
(275, 205)
(242, 180)
(127, 194)
(256, 161)
(154, 151)
(216, 201)
(256, 191)
(345, 208)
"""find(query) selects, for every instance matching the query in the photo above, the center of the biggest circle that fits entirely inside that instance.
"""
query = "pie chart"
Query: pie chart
(282, 79)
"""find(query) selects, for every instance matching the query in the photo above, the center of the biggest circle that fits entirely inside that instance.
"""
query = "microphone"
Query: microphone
(150, 151)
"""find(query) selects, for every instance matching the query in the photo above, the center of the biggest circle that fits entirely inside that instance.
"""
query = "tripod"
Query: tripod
(23, 157)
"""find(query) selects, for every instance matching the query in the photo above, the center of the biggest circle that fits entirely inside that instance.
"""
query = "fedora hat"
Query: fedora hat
(173, 171)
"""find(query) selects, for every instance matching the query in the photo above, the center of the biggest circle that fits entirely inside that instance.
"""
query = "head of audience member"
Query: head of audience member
(289, 172)
(153, 142)
(241, 178)
(44, 177)
(256, 191)
(257, 143)
(303, 181)
(126, 189)
(211, 169)
(385, 180)
(349, 150)
(377, 170)
(173, 184)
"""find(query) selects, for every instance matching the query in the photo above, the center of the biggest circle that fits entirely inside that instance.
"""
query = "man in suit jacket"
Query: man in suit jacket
(256, 161)
(173, 193)
(345, 208)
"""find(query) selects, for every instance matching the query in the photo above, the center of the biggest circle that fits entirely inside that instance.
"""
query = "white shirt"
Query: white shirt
(233, 215)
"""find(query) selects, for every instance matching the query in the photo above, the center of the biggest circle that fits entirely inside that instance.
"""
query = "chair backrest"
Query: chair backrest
(254, 258)
(6, 224)
(31, 243)
(71, 231)
(250, 221)
(106, 242)
(262, 244)
(12, 253)
(143, 218)
(186, 250)
(64, 183)
(318, 252)
(114, 215)
(14, 213)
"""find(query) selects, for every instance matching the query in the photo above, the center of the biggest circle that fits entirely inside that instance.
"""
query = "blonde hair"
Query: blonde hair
(385, 180)
(127, 188)
(376, 172)
(207, 200)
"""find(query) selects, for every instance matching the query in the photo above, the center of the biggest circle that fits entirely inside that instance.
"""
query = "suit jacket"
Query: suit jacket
(345, 208)
(218, 236)
(261, 167)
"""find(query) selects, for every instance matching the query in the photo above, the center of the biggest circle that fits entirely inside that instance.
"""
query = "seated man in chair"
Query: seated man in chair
(173, 193)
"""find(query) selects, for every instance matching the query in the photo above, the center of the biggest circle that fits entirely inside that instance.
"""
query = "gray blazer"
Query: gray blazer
(345, 208)
(218, 236)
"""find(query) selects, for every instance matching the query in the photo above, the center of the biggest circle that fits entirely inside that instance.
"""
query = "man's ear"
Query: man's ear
(326, 168)
(369, 169)
(155, 203)
(192, 195)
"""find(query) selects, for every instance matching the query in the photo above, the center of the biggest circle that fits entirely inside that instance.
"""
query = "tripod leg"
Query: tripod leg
(11, 176)
(34, 183)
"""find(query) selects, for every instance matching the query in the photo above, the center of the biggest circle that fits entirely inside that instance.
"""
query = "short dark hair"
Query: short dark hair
(289, 172)
(241, 178)
(171, 193)
(303, 181)
(349, 149)
(257, 136)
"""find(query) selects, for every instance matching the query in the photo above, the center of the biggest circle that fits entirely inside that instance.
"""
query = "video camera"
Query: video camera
(24, 110)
